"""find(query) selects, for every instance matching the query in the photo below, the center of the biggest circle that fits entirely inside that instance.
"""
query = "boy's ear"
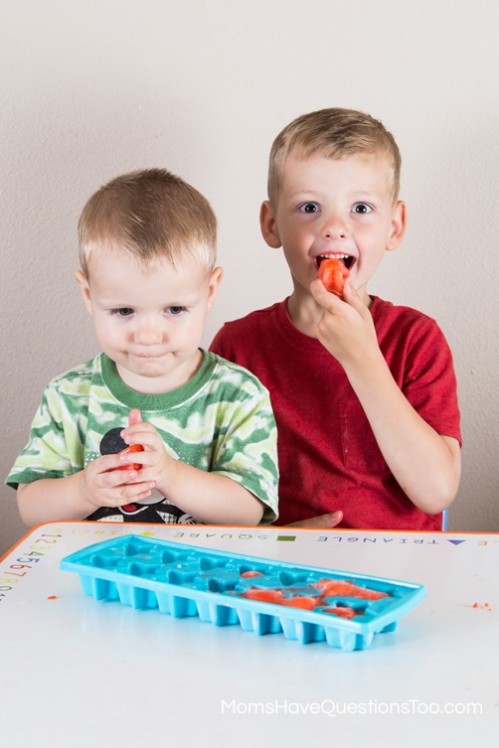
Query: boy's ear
(82, 281)
(399, 224)
(268, 225)
(215, 279)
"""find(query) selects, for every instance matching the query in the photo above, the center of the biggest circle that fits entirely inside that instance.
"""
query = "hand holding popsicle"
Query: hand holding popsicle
(112, 480)
(113, 443)
(133, 418)
(156, 464)
(346, 328)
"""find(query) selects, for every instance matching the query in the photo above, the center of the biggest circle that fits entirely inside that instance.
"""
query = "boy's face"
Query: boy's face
(334, 208)
(149, 319)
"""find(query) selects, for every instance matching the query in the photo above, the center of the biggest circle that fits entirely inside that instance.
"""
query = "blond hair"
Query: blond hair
(333, 133)
(154, 215)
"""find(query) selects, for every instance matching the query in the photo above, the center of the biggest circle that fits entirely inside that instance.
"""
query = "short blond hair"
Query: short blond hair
(154, 215)
(333, 133)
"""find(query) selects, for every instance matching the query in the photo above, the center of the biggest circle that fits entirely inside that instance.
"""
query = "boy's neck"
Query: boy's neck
(304, 312)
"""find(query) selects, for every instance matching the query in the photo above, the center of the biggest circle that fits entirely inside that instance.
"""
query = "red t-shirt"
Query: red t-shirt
(328, 456)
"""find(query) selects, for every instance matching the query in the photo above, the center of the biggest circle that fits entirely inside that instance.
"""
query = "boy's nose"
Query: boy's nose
(334, 228)
(148, 333)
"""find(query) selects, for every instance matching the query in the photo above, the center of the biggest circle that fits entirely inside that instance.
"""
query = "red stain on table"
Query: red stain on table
(482, 606)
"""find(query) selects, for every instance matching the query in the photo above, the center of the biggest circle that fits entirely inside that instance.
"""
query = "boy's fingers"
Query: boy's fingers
(127, 480)
(355, 300)
(143, 434)
(124, 494)
(105, 463)
(352, 297)
(329, 520)
(326, 300)
(332, 303)
(134, 417)
(119, 476)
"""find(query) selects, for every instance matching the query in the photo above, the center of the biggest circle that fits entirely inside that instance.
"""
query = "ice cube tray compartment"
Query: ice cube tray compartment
(305, 603)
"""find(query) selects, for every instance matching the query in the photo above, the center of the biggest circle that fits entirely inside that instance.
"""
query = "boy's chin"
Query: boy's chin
(148, 378)
(156, 376)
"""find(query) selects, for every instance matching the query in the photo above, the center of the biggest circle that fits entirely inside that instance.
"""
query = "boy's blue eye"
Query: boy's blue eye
(362, 208)
(176, 309)
(125, 311)
(309, 208)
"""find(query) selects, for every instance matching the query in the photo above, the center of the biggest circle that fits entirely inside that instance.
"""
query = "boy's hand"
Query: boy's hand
(114, 479)
(107, 483)
(156, 463)
(326, 521)
(346, 328)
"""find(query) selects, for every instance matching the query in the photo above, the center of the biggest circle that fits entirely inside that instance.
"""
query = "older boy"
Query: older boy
(148, 279)
(363, 391)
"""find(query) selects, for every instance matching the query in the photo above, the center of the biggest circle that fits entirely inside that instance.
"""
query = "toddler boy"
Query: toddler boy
(203, 426)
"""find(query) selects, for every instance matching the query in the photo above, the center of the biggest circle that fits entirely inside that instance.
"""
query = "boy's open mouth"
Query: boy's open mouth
(347, 260)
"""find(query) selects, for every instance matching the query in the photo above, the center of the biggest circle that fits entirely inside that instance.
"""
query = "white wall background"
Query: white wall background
(93, 88)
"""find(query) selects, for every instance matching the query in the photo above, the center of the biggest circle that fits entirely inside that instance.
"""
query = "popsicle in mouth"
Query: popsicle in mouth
(333, 273)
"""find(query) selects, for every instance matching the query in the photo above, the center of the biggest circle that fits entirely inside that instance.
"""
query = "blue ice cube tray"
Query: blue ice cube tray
(221, 587)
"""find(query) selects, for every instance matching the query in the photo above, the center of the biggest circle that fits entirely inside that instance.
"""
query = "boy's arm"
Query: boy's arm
(426, 464)
(52, 499)
(206, 496)
(209, 497)
(79, 495)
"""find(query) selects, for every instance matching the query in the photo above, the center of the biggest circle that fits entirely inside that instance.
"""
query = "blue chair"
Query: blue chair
(445, 518)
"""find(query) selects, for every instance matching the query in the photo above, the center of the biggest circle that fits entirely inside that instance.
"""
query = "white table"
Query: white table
(80, 673)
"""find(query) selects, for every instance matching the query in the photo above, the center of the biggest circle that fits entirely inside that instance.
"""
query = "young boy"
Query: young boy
(364, 392)
(148, 279)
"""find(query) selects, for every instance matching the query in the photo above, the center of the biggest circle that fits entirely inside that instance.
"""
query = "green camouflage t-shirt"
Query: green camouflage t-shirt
(220, 421)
